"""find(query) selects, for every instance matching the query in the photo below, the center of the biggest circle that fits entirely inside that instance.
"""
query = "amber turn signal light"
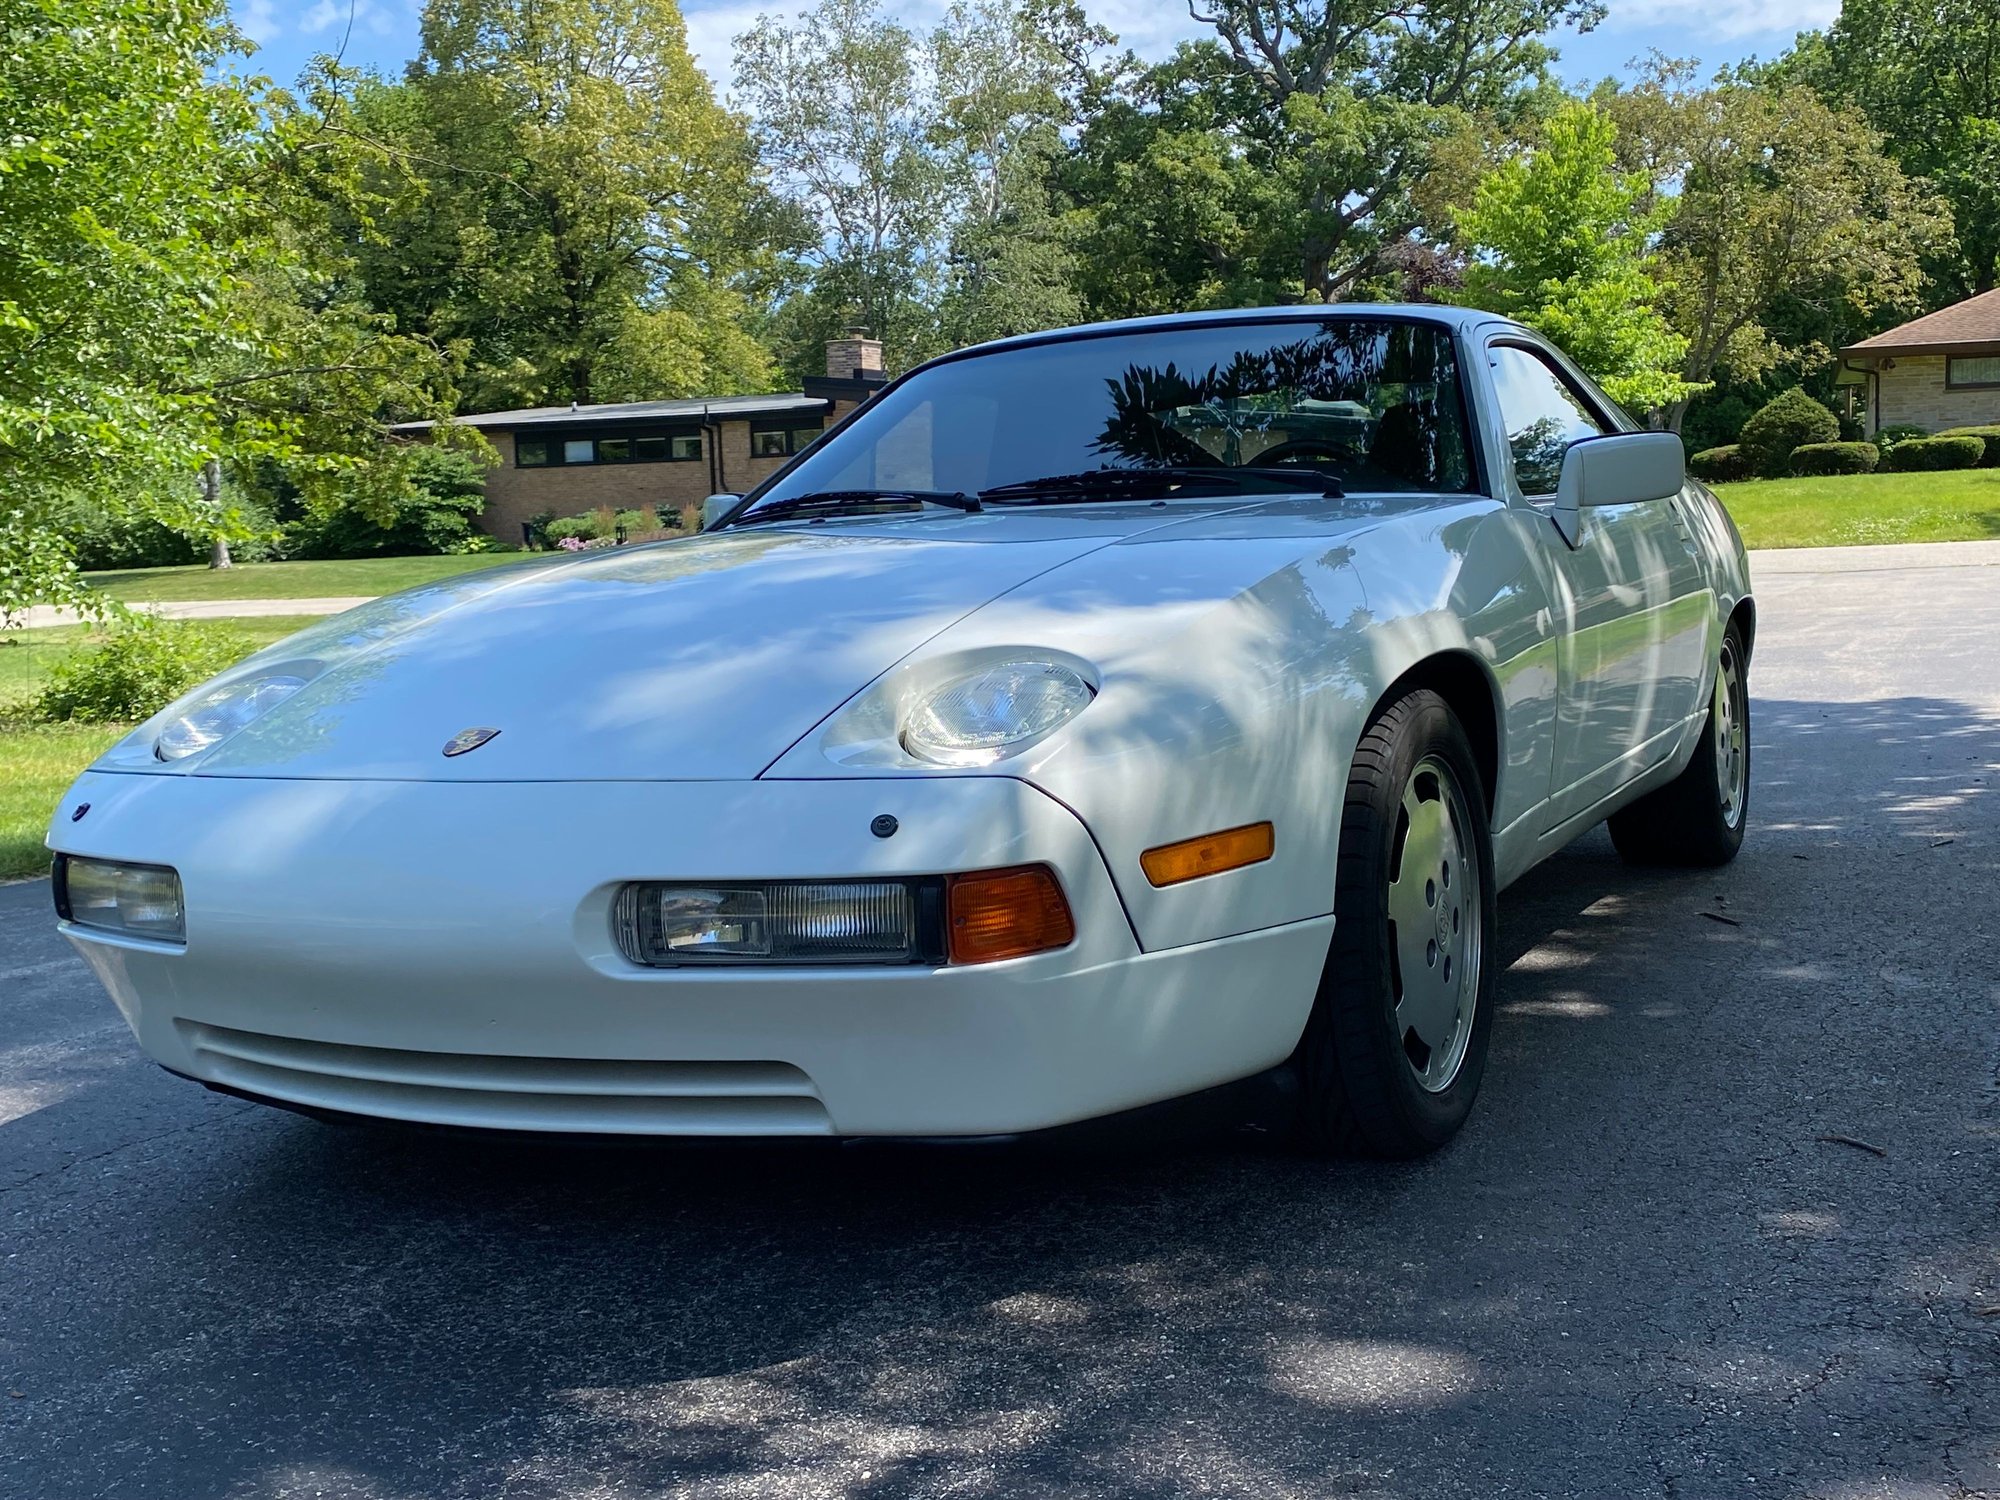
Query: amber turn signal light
(1210, 854)
(999, 914)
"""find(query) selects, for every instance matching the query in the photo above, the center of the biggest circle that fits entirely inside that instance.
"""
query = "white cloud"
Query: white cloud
(258, 20)
(374, 17)
(1722, 20)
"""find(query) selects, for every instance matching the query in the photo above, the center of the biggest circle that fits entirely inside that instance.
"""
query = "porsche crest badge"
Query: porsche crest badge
(468, 739)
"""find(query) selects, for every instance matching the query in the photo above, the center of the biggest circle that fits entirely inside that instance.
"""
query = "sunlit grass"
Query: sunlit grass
(352, 578)
(1855, 510)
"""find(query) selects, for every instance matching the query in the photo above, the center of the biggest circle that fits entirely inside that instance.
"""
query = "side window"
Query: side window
(1543, 416)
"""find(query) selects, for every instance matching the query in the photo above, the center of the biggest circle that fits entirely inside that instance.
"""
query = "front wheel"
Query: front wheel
(1699, 816)
(1393, 1054)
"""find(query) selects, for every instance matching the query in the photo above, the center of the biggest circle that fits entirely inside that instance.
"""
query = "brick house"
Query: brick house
(565, 460)
(1942, 370)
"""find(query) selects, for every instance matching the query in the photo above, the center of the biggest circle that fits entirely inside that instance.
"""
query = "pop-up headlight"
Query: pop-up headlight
(975, 719)
(216, 715)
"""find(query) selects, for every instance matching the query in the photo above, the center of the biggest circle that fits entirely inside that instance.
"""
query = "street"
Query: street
(1725, 1222)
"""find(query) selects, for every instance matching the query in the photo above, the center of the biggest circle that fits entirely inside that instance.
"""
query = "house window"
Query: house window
(1972, 373)
(778, 439)
(625, 448)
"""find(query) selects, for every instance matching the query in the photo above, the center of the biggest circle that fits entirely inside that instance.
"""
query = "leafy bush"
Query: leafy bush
(1921, 455)
(137, 670)
(1835, 458)
(1990, 436)
(1718, 465)
(571, 529)
(103, 540)
(448, 490)
(1790, 420)
(601, 525)
(1899, 432)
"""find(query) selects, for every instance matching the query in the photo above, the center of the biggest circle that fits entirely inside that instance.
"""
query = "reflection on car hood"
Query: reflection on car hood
(701, 659)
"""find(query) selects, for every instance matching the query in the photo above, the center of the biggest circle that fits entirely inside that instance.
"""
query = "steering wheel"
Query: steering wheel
(1300, 448)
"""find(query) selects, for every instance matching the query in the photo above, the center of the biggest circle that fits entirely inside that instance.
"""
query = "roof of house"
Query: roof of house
(688, 409)
(1968, 327)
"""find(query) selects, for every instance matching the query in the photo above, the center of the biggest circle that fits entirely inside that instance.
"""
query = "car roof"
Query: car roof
(1456, 318)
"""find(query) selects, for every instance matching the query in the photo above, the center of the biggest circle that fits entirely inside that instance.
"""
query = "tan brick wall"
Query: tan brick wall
(514, 495)
(1915, 392)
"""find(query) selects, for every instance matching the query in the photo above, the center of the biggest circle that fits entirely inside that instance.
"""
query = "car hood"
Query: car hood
(699, 659)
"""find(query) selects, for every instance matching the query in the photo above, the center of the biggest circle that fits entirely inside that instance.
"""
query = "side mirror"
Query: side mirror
(715, 507)
(1619, 468)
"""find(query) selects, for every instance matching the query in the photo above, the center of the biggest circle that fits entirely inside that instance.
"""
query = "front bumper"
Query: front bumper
(442, 953)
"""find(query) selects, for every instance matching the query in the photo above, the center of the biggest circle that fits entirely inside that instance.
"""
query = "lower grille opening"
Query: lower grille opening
(586, 1095)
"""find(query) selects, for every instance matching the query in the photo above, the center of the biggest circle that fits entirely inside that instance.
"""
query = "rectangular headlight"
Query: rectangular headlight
(665, 925)
(141, 901)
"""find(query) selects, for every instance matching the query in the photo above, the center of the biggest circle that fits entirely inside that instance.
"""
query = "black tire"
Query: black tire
(1361, 1093)
(1691, 821)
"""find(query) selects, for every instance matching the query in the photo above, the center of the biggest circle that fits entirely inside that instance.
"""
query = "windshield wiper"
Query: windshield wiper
(817, 500)
(1127, 484)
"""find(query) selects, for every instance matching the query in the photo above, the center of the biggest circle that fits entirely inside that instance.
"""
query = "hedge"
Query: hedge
(1924, 454)
(1789, 420)
(1719, 465)
(1988, 435)
(1835, 458)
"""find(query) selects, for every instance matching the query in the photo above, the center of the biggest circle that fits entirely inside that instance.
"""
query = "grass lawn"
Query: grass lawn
(290, 580)
(38, 761)
(1853, 510)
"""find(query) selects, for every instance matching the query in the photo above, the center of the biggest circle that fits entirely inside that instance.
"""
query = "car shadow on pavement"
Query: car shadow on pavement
(1642, 1267)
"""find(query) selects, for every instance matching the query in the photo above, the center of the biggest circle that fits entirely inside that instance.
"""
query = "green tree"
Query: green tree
(1010, 77)
(1926, 73)
(1791, 228)
(846, 116)
(554, 187)
(111, 275)
(1563, 241)
(1288, 155)
(923, 162)
(161, 319)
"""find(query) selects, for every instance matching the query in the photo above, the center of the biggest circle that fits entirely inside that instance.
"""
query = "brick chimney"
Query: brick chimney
(854, 356)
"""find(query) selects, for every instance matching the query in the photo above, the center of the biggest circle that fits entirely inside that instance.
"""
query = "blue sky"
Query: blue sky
(383, 33)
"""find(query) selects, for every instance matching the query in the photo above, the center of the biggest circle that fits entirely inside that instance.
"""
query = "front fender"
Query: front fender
(1237, 673)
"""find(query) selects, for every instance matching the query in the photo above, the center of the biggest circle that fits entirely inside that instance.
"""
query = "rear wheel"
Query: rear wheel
(1698, 817)
(1394, 1051)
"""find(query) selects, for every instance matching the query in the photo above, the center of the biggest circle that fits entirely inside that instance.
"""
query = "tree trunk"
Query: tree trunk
(211, 491)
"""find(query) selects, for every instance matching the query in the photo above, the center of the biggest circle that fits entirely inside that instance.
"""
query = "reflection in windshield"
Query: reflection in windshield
(1373, 402)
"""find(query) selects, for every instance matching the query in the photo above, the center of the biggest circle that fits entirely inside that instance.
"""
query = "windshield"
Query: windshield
(1373, 403)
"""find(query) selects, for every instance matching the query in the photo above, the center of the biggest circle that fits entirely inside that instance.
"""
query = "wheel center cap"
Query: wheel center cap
(1443, 925)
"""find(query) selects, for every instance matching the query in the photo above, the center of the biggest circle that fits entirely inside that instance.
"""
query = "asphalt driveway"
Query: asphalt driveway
(1648, 1267)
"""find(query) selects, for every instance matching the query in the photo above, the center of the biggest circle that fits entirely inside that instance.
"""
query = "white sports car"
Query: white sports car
(1095, 719)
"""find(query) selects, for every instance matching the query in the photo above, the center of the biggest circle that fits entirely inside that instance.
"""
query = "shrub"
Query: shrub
(448, 489)
(571, 529)
(1789, 420)
(1835, 458)
(137, 670)
(1920, 455)
(1990, 436)
(1717, 465)
(1899, 432)
(103, 540)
